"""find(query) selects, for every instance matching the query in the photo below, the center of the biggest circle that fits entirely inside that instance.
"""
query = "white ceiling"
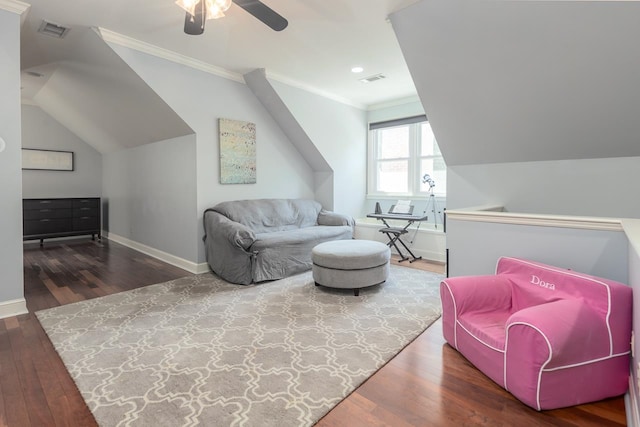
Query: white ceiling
(324, 40)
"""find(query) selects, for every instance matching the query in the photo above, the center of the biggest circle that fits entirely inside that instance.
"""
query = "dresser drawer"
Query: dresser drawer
(86, 223)
(47, 204)
(47, 213)
(47, 226)
(85, 211)
(86, 203)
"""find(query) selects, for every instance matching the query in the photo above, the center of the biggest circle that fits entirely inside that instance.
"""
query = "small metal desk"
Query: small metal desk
(395, 233)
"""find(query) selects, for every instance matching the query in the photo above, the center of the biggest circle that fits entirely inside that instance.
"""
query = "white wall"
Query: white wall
(41, 131)
(590, 187)
(200, 99)
(339, 131)
(11, 280)
(474, 248)
(149, 196)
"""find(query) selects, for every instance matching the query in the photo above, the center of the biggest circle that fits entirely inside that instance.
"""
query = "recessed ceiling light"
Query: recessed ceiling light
(357, 69)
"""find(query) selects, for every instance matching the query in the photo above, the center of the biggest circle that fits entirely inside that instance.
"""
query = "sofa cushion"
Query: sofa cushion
(271, 215)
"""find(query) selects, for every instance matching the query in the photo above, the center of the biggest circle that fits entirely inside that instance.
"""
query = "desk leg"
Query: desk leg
(392, 242)
(415, 258)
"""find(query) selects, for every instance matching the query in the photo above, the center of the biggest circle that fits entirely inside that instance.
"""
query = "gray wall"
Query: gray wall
(590, 187)
(11, 280)
(339, 131)
(41, 131)
(474, 248)
(150, 195)
(201, 98)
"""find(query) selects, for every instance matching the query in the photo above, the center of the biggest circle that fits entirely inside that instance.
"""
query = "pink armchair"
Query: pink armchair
(551, 337)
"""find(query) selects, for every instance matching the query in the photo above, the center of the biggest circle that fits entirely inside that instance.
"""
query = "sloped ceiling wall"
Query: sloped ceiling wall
(88, 89)
(518, 81)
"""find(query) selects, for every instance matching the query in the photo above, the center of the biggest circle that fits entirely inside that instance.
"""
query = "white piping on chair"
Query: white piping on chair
(587, 362)
(573, 274)
(455, 314)
(541, 368)
(479, 340)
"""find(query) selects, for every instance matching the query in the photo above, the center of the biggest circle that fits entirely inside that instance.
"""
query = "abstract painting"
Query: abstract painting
(237, 152)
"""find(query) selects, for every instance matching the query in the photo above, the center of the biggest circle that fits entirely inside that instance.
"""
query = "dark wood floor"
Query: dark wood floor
(427, 384)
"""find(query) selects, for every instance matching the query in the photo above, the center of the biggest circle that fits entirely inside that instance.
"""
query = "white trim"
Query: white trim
(589, 223)
(182, 263)
(586, 362)
(479, 340)
(394, 103)
(455, 314)
(541, 367)
(631, 403)
(14, 6)
(169, 55)
(13, 307)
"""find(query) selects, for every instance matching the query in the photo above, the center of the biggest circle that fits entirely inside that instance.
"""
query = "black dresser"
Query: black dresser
(46, 218)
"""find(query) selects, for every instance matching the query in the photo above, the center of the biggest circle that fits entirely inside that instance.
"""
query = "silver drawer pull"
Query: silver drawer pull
(45, 210)
(44, 220)
(45, 201)
(85, 217)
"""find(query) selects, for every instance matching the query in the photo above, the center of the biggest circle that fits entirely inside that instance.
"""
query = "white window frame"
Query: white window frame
(414, 159)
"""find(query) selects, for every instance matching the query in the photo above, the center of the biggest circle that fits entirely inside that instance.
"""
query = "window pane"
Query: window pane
(392, 176)
(428, 146)
(394, 142)
(437, 171)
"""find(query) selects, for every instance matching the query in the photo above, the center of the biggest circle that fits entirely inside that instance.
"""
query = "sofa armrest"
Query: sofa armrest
(235, 233)
(545, 343)
(227, 246)
(572, 331)
(332, 218)
(476, 293)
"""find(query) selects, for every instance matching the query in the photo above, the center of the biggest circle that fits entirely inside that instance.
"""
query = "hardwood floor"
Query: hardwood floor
(427, 384)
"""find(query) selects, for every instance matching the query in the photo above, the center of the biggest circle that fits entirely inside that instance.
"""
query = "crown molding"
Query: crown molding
(14, 6)
(393, 103)
(169, 55)
(140, 46)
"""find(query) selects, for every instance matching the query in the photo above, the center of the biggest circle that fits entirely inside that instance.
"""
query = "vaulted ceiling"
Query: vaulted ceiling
(80, 82)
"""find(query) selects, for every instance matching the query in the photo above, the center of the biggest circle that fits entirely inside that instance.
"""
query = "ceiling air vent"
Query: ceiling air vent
(53, 30)
(373, 78)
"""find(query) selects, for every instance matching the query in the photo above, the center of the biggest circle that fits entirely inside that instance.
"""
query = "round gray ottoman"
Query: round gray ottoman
(350, 264)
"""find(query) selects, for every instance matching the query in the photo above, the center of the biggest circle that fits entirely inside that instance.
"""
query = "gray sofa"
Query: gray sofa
(250, 241)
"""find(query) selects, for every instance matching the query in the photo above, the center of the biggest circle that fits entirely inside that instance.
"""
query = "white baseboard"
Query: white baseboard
(182, 263)
(631, 404)
(13, 308)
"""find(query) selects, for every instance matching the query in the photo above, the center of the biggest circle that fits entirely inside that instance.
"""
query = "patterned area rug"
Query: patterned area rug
(199, 351)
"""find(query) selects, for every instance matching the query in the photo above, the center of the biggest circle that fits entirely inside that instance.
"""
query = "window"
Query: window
(401, 152)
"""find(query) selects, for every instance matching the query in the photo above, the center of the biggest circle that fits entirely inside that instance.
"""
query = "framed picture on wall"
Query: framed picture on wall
(237, 152)
(49, 160)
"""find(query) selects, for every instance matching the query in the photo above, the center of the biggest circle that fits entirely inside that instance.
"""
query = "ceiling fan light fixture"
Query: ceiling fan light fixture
(216, 8)
(188, 6)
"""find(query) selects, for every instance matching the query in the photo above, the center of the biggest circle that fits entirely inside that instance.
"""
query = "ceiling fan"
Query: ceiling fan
(198, 11)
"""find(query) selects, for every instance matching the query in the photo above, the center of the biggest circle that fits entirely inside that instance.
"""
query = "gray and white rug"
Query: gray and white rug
(199, 351)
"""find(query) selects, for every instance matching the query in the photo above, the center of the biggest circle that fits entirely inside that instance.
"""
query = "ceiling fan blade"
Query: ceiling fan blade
(264, 13)
(194, 24)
